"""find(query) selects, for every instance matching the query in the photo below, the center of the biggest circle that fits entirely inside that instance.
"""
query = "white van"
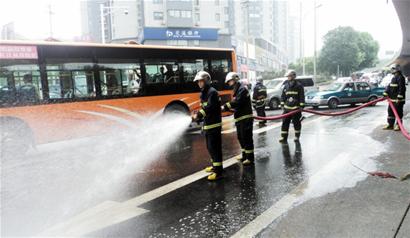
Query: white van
(274, 89)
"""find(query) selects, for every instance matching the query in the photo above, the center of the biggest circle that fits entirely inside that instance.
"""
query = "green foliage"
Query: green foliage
(351, 50)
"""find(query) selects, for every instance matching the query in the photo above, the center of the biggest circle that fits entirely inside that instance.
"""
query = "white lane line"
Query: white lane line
(267, 217)
(109, 213)
(110, 117)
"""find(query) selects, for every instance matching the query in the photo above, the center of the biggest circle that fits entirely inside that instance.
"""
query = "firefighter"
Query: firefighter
(242, 106)
(210, 114)
(396, 91)
(293, 98)
(259, 99)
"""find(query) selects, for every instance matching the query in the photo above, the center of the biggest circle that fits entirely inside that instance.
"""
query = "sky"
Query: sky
(378, 17)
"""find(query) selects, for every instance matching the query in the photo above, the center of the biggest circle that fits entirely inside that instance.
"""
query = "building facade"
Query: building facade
(257, 29)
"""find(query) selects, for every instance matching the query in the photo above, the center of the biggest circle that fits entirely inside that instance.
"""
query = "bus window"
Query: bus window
(219, 69)
(119, 79)
(84, 86)
(110, 81)
(190, 68)
(162, 72)
(19, 84)
(69, 80)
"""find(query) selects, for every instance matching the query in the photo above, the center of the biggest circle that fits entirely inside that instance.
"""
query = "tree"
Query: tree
(298, 66)
(349, 49)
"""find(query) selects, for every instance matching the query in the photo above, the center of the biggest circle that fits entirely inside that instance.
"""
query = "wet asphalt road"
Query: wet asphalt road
(50, 187)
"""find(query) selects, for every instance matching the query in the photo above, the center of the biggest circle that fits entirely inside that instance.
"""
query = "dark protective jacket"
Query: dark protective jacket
(241, 103)
(396, 90)
(210, 111)
(293, 95)
(259, 95)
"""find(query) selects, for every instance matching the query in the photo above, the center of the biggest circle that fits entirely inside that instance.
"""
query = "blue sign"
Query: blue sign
(156, 33)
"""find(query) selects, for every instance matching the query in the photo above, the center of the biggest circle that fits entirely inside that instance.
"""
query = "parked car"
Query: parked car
(274, 89)
(344, 93)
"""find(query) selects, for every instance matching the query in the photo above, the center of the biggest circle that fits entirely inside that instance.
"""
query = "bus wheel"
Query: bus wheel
(274, 103)
(176, 109)
(15, 137)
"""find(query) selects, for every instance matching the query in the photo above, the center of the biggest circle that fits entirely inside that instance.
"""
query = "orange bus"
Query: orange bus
(53, 91)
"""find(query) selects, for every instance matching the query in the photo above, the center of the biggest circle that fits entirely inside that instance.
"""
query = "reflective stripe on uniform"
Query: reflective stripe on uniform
(297, 131)
(400, 96)
(292, 93)
(395, 100)
(229, 105)
(282, 103)
(302, 104)
(394, 85)
(248, 151)
(202, 112)
(243, 117)
(291, 108)
(217, 164)
(207, 127)
(262, 90)
(204, 104)
(385, 94)
(284, 132)
(391, 118)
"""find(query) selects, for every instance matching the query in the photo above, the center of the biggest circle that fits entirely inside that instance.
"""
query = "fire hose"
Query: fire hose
(371, 103)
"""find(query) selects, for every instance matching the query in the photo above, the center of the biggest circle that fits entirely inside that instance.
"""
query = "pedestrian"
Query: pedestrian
(242, 106)
(259, 99)
(396, 91)
(210, 114)
(293, 98)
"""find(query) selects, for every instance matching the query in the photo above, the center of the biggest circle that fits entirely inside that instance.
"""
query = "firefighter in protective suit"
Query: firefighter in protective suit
(293, 98)
(396, 91)
(210, 114)
(242, 106)
(259, 99)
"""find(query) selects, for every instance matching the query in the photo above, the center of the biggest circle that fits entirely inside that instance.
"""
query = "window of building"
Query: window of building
(157, 1)
(217, 2)
(197, 17)
(197, 2)
(186, 14)
(196, 42)
(217, 17)
(158, 16)
(226, 10)
(226, 24)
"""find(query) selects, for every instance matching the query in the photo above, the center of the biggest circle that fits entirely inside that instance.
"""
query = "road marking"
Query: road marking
(109, 213)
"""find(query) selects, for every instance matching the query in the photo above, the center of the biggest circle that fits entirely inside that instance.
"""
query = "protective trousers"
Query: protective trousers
(295, 119)
(260, 111)
(214, 146)
(244, 129)
(391, 119)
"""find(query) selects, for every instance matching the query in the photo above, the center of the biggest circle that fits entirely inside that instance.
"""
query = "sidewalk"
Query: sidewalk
(372, 208)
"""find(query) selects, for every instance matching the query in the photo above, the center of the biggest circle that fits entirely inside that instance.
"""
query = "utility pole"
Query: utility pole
(315, 41)
(102, 23)
(301, 55)
(50, 20)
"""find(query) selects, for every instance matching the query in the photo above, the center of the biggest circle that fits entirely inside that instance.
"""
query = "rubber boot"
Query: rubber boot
(388, 127)
(396, 127)
(215, 176)
(209, 169)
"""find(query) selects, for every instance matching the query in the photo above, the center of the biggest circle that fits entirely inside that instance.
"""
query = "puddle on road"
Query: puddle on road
(339, 173)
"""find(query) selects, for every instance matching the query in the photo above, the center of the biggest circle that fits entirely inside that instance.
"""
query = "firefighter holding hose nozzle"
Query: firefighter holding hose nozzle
(396, 91)
(210, 114)
(242, 106)
(293, 98)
